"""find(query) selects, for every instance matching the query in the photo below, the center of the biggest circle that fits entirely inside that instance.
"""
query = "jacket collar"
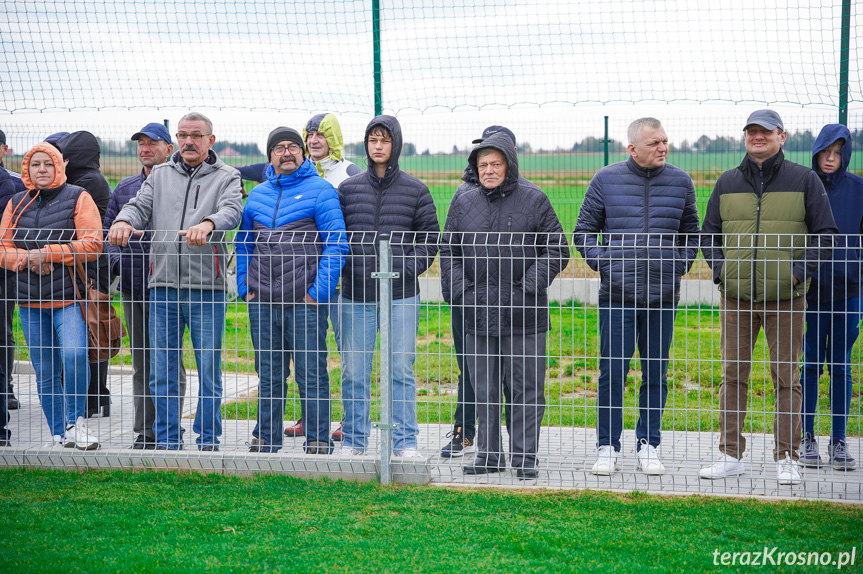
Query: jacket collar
(643, 172)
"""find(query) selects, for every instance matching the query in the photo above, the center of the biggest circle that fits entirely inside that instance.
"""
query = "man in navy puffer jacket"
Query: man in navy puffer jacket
(644, 212)
(291, 248)
(833, 301)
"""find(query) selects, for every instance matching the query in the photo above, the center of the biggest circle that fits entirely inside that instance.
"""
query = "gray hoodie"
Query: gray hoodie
(171, 200)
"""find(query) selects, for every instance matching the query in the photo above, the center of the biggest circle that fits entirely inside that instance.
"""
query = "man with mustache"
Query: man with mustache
(190, 202)
(290, 253)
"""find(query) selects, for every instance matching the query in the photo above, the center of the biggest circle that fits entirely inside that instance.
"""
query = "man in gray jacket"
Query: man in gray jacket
(190, 202)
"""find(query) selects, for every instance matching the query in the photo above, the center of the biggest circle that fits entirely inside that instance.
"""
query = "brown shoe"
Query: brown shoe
(318, 447)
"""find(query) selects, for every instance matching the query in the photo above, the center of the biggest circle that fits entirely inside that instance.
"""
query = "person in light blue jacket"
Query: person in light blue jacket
(291, 248)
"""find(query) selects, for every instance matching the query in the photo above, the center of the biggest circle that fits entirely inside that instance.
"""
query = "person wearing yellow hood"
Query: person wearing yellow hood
(324, 144)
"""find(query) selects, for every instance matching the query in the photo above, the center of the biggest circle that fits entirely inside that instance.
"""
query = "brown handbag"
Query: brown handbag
(105, 329)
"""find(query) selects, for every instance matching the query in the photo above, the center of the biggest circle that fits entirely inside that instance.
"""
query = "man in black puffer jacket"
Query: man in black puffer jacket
(645, 211)
(384, 199)
(505, 246)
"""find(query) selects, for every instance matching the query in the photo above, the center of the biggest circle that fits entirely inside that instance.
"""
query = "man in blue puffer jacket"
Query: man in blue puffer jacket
(833, 301)
(645, 212)
(291, 248)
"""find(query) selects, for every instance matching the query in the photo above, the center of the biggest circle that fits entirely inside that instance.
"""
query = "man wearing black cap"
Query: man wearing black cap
(290, 253)
(190, 203)
(132, 264)
(464, 427)
(758, 220)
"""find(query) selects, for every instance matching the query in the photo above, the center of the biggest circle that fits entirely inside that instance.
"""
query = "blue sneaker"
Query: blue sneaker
(809, 452)
(839, 457)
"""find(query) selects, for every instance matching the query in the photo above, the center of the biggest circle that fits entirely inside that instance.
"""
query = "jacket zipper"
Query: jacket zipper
(197, 192)
(646, 236)
(276, 211)
(757, 227)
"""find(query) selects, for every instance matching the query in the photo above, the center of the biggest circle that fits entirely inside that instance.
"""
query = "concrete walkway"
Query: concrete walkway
(566, 455)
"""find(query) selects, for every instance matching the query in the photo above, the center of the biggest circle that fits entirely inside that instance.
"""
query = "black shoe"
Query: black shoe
(527, 473)
(460, 444)
(5, 442)
(258, 445)
(143, 442)
(480, 467)
(210, 448)
(102, 411)
(11, 402)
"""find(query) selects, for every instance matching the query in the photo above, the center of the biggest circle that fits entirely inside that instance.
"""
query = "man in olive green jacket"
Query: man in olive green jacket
(767, 229)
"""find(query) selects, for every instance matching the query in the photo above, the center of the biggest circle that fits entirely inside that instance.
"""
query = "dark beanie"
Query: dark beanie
(283, 134)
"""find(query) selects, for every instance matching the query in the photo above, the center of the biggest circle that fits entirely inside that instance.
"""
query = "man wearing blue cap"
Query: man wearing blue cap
(131, 263)
(767, 229)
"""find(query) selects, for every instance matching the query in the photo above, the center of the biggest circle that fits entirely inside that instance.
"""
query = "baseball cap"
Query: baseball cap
(493, 130)
(154, 131)
(767, 119)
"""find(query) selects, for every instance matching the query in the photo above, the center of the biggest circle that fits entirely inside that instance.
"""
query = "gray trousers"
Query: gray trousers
(137, 313)
(517, 361)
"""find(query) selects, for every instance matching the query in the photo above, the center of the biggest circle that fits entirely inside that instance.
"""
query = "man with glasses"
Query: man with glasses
(189, 202)
(290, 252)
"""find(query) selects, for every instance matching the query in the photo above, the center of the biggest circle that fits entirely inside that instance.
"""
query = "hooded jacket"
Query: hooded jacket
(398, 204)
(292, 239)
(171, 200)
(766, 226)
(333, 168)
(648, 220)
(60, 220)
(839, 279)
(504, 247)
(131, 263)
(82, 151)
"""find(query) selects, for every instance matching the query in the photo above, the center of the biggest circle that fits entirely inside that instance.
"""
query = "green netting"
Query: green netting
(265, 55)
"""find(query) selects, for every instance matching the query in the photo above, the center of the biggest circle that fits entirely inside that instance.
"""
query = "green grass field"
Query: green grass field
(116, 521)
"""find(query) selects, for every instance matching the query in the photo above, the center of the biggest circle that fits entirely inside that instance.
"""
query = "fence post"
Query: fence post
(844, 59)
(376, 54)
(605, 143)
(386, 426)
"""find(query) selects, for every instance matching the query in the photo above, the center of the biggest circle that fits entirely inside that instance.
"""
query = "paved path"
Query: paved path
(566, 454)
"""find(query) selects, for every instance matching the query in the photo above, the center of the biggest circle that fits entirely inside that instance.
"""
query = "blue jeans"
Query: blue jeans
(621, 328)
(358, 327)
(57, 339)
(171, 310)
(279, 332)
(831, 331)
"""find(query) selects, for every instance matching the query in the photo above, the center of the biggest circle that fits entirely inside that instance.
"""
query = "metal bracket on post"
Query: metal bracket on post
(386, 426)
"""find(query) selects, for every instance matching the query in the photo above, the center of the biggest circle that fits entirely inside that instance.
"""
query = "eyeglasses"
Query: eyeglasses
(183, 136)
(292, 149)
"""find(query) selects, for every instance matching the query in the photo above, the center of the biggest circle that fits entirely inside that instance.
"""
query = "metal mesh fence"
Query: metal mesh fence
(500, 385)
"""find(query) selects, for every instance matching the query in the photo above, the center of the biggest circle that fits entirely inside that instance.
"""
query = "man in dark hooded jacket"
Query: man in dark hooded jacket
(81, 152)
(464, 429)
(384, 199)
(505, 246)
(833, 301)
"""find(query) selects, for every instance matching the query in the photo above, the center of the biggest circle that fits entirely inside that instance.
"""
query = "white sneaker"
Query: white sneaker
(57, 441)
(348, 451)
(606, 461)
(648, 460)
(725, 467)
(84, 439)
(787, 471)
(409, 453)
